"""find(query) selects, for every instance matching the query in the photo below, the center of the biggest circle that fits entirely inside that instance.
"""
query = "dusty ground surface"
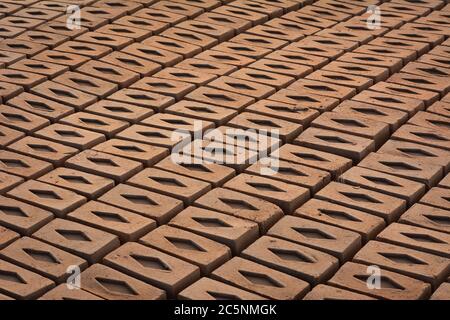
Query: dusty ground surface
(358, 206)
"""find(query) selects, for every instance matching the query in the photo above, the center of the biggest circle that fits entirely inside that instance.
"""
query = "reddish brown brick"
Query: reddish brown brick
(238, 12)
(220, 97)
(442, 292)
(60, 27)
(150, 135)
(298, 58)
(8, 135)
(42, 37)
(62, 292)
(321, 88)
(373, 72)
(325, 292)
(70, 60)
(305, 100)
(172, 88)
(119, 110)
(283, 68)
(107, 126)
(229, 58)
(430, 137)
(142, 98)
(440, 108)
(221, 33)
(235, 23)
(430, 120)
(133, 63)
(325, 13)
(437, 197)
(21, 120)
(209, 67)
(23, 166)
(20, 46)
(406, 55)
(136, 34)
(189, 37)
(86, 83)
(153, 54)
(189, 76)
(21, 78)
(445, 182)
(8, 181)
(90, 50)
(7, 236)
(179, 8)
(163, 16)
(8, 58)
(340, 31)
(185, 49)
(47, 69)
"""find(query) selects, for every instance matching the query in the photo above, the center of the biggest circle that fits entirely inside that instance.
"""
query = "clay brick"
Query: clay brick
(220, 97)
(234, 232)
(264, 8)
(441, 293)
(390, 19)
(149, 204)
(325, 292)
(239, 49)
(22, 47)
(321, 88)
(190, 37)
(90, 50)
(21, 217)
(341, 31)
(8, 90)
(382, 182)
(419, 47)
(205, 4)
(209, 289)
(385, 206)
(291, 258)
(388, 100)
(229, 58)
(152, 136)
(110, 284)
(437, 197)
(411, 34)
(417, 238)
(182, 48)
(21, 78)
(178, 8)
(188, 76)
(281, 68)
(244, 87)
(126, 225)
(110, 73)
(424, 3)
(242, 206)
(88, 185)
(133, 63)
(362, 28)
(254, 17)
(430, 137)
(35, 13)
(221, 33)
(25, 284)
(338, 242)
(86, 242)
(42, 37)
(153, 267)
(70, 60)
(167, 17)
(71, 136)
(87, 83)
(440, 108)
(262, 41)
(50, 5)
(418, 265)
(201, 111)
(47, 69)
(210, 172)
(367, 225)
(286, 130)
(303, 17)
(445, 182)
(394, 286)
(289, 25)
(59, 27)
(343, 144)
(286, 196)
(261, 280)
(107, 126)
(173, 88)
(136, 34)
(263, 77)
(153, 54)
(110, 166)
(405, 54)
(8, 8)
(195, 249)
(361, 110)
(23, 166)
(22, 22)
(93, 14)
(441, 51)
(8, 58)
(8, 135)
(316, 159)
(119, 111)
(430, 120)
(173, 122)
(417, 81)
(276, 33)
(136, 151)
(128, 7)
(21, 120)
(208, 67)
(305, 100)
(405, 8)
(341, 7)
(349, 124)
(357, 82)
(235, 23)
(368, 71)
(325, 13)
(8, 181)
(41, 258)
(393, 64)
(59, 201)
(43, 149)
(6, 237)
(64, 94)
(142, 98)
(62, 292)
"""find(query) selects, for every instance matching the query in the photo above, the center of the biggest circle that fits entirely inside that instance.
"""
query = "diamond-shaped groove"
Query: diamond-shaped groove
(339, 215)
(312, 233)
(75, 179)
(195, 167)
(138, 199)
(223, 296)
(420, 237)
(385, 282)
(168, 182)
(110, 216)
(73, 235)
(260, 279)
(14, 163)
(13, 211)
(41, 148)
(10, 276)
(402, 258)
(41, 256)
(151, 262)
(15, 117)
(443, 220)
(40, 105)
(382, 181)
(185, 244)
(265, 187)
(291, 255)
(45, 194)
(103, 162)
(238, 204)
(361, 197)
(129, 148)
(68, 133)
(211, 222)
(116, 286)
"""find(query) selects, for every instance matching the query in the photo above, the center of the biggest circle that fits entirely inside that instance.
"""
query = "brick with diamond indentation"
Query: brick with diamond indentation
(42, 37)
(430, 120)
(248, 39)
(441, 293)
(189, 37)
(428, 97)
(23, 166)
(210, 172)
(128, 226)
(236, 23)
(220, 97)
(86, 83)
(182, 48)
(341, 32)
(328, 49)
(405, 54)
(21, 217)
(22, 284)
(42, 258)
(240, 49)
(204, 66)
(172, 88)
(325, 13)
(70, 60)
(63, 94)
(178, 8)
(90, 50)
(343, 144)
(188, 76)
(252, 16)
(21, 46)
(417, 238)
(229, 58)
(195, 249)
(445, 182)
(305, 100)
(150, 204)
(109, 72)
(357, 82)
(8, 58)
(142, 98)
(433, 60)
(243, 87)
(264, 77)
(21, 78)
(427, 136)
(10, 32)
(168, 121)
(107, 126)
(43, 149)
(368, 71)
(86, 242)
(437, 197)
(62, 292)
(261, 280)
(58, 200)
(153, 54)
(436, 84)
(86, 184)
(133, 63)
(209, 289)
(71, 136)
(120, 111)
(321, 88)
(221, 33)
(7, 236)
(411, 34)
(236, 233)
(61, 28)
(21, 120)
(440, 108)
(276, 33)
(153, 267)
(136, 34)
(8, 181)
(291, 258)
(47, 69)
(394, 286)
(394, 64)
(419, 47)
(386, 183)
(415, 264)
(166, 17)
(171, 184)
(325, 292)
(152, 136)
(110, 284)
(242, 206)
(282, 68)
(385, 206)
(8, 135)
